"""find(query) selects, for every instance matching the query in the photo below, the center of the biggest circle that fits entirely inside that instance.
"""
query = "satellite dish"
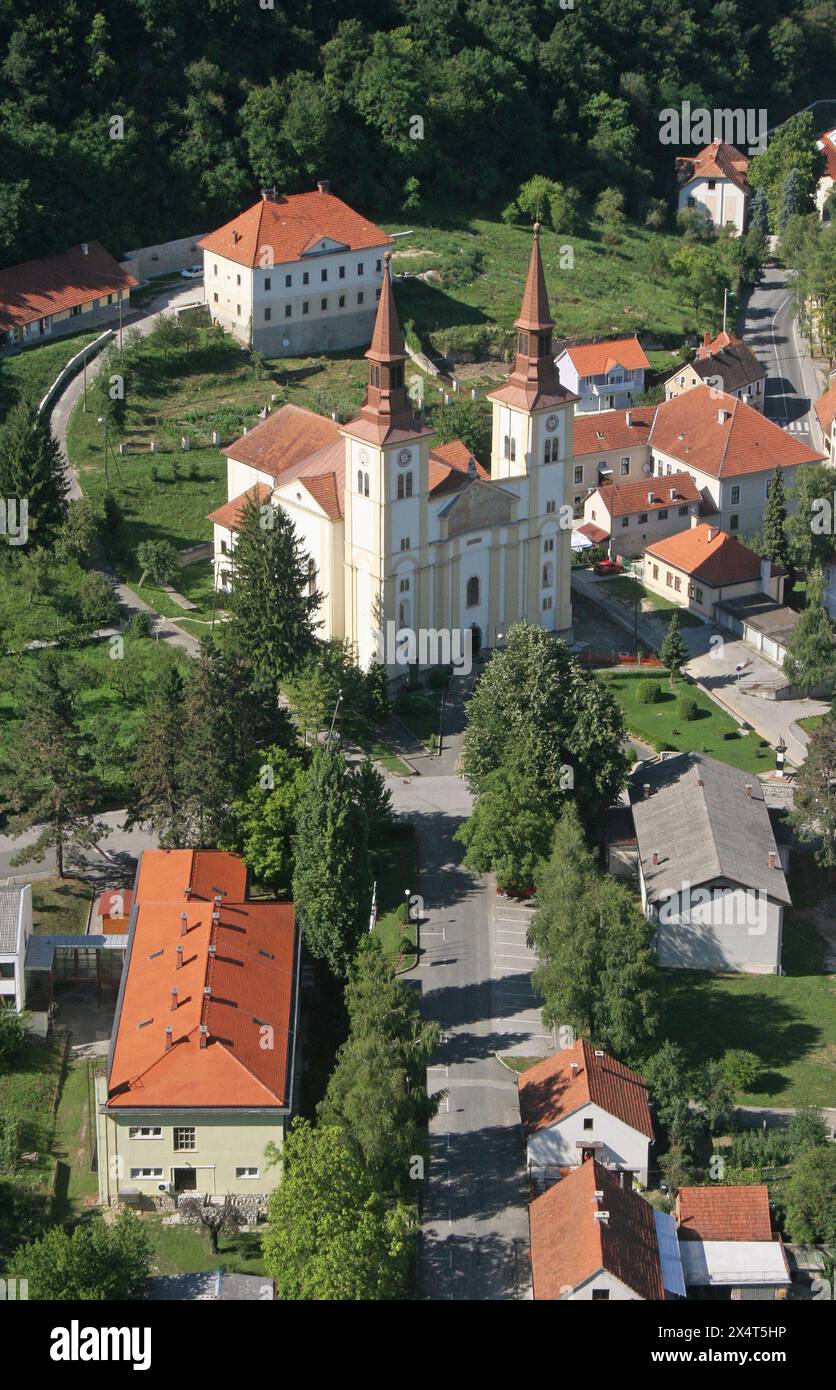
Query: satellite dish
(285, 342)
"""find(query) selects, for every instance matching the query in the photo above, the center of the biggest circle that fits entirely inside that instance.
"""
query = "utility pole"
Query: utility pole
(120, 320)
(103, 422)
(725, 304)
(334, 720)
(441, 720)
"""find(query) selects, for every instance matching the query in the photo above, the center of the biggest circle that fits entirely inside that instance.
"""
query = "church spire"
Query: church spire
(534, 369)
(534, 313)
(386, 405)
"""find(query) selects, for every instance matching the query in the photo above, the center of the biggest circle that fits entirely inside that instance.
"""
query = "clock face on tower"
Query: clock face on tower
(551, 423)
(363, 457)
(404, 458)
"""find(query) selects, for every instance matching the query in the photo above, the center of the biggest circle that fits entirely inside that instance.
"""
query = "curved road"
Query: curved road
(770, 329)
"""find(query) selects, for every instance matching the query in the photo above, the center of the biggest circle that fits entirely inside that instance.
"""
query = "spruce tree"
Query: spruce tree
(161, 796)
(674, 652)
(31, 468)
(759, 216)
(793, 199)
(331, 878)
(273, 610)
(776, 546)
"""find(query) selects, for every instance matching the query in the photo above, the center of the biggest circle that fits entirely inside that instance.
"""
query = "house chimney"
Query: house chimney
(84, 248)
(748, 788)
(772, 858)
(574, 1067)
(621, 1177)
(654, 858)
(187, 894)
(207, 991)
(628, 418)
(169, 1037)
(706, 339)
(695, 519)
(598, 1052)
(204, 1034)
(602, 1217)
(179, 958)
(265, 194)
(711, 534)
(646, 790)
(598, 1194)
(213, 949)
(650, 497)
(722, 416)
(184, 923)
(173, 998)
(324, 185)
(236, 237)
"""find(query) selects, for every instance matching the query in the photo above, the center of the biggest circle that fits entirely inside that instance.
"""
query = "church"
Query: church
(406, 538)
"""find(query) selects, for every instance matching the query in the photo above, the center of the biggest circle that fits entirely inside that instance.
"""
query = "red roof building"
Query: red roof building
(723, 1213)
(62, 293)
(284, 229)
(723, 437)
(593, 1237)
(704, 553)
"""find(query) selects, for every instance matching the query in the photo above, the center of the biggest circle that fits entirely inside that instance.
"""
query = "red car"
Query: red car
(608, 567)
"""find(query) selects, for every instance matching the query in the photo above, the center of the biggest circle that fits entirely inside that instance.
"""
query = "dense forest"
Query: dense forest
(220, 96)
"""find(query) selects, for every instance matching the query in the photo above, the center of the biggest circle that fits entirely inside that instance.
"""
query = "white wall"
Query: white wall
(555, 1146)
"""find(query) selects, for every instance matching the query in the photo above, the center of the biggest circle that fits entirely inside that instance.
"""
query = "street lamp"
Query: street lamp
(780, 755)
(407, 894)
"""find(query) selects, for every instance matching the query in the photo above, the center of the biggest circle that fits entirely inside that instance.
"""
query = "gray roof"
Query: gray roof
(735, 365)
(10, 897)
(704, 825)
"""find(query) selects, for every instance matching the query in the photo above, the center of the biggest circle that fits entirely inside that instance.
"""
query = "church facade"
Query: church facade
(418, 549)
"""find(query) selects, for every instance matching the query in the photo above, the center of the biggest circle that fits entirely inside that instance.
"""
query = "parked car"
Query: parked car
(608, 567)
(192, 272)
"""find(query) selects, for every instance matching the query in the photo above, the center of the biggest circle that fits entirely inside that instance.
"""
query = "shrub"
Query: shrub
(740, 1068)
(730, 733)
(438, 677)
(632, 756)
(649, 693)
(688, 708)
(139, 624)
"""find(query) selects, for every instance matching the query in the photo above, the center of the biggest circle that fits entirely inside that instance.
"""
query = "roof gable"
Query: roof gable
(275, 231)
(722, 436)
(561, 1084)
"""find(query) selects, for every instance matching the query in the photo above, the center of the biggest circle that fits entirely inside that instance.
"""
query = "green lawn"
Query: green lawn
(74, 1121)
(60, 906)
(661, 725)
(397, 870)
(28, 1092)
(607, 291)
(624, 590)
(30, 373)
(788, 1021)
(811, 722)
(26, 616)
(184, 1250)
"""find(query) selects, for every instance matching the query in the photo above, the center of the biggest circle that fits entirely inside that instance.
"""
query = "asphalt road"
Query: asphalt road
(770, 330)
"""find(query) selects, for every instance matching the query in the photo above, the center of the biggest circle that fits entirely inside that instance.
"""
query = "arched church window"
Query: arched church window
(513, 454)
(547, 452)
(311, 577)
(407, 477)
(473, 591)
(365, 484)
(360, 481)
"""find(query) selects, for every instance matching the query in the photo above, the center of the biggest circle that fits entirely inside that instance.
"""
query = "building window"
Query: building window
(377, 294)
(306, 279)
(288, 281)
(378, 266)
(547, 603)
(551, 506)
(305, 306)
(341, 301)
(375, 376)
(735, 496)
(268, 283)
(683, 511)
(669, 579)
(473, 591)
(359, 296)
(663, 514)
(625, 467)
(404, 485)
(548, 545)
(184, 1138)
(699, 595)
(642, 518)
(238, 311)
(655, 571)
(241, 1173)
(145, 1132)
(215, 296)
(404, 542)
(323, 304)
(238, 279)
(588, 1123)
(734, 522)
(547, 576)
(712, 184)
(323, 275)
(287, 311)
(75, 311)
(342, 272)
(677, 584)
(404, 586)
(578, 477)
(625, 521)
(216, 267)
(146, 1172)
(359, 267)
(362, 483)
(267, 315)
(547, 452)
(600, 1295)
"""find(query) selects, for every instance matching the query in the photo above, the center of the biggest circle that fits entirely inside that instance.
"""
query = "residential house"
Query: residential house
(603, 375)
(699, 568)
(593, 1239)
(827, 144)
(726, 1243)
(731, 451)
(635, 514)
(579, 1104)
(295, 275)
(727, 365)
(69, 292)
(402, 535)
(715, 183)
(15, 931)
(201, 1068)
(610, 446)
(825, 411)
(711, 873)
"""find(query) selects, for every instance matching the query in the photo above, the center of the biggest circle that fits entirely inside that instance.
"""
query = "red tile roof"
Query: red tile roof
(283, 440)
(592, 532)
(723, 1213)
(608, 429)
(451, 465)
(568, 1245)
(825, 408)
(717, 161)
(689, 428)
(827, 144)
(550, 1090)
(237, 979)
(229, 515)
(117, 901)
(592, 359)
(291, 226)
(708, 554)
(649, 494)
(35, 289)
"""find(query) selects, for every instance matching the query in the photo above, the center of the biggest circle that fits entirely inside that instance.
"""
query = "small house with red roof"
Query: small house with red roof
(201, 1068)
(698, 568)
(727, 1246)
(726, 364)
(579, 1104)
(715, 184)
(69, 292)
(604, 375)
(295, 275)
(634, 515)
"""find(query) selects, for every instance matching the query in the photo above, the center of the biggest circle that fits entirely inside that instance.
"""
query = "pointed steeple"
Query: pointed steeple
(386, 406)
(535, 379)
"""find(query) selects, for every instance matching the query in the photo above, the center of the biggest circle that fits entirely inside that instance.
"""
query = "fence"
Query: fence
(73, 366)
(164, 258)
(608, 656)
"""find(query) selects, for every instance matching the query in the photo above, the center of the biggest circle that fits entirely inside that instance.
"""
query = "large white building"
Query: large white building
(715, 184)
(295, 275)
(424, 538)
